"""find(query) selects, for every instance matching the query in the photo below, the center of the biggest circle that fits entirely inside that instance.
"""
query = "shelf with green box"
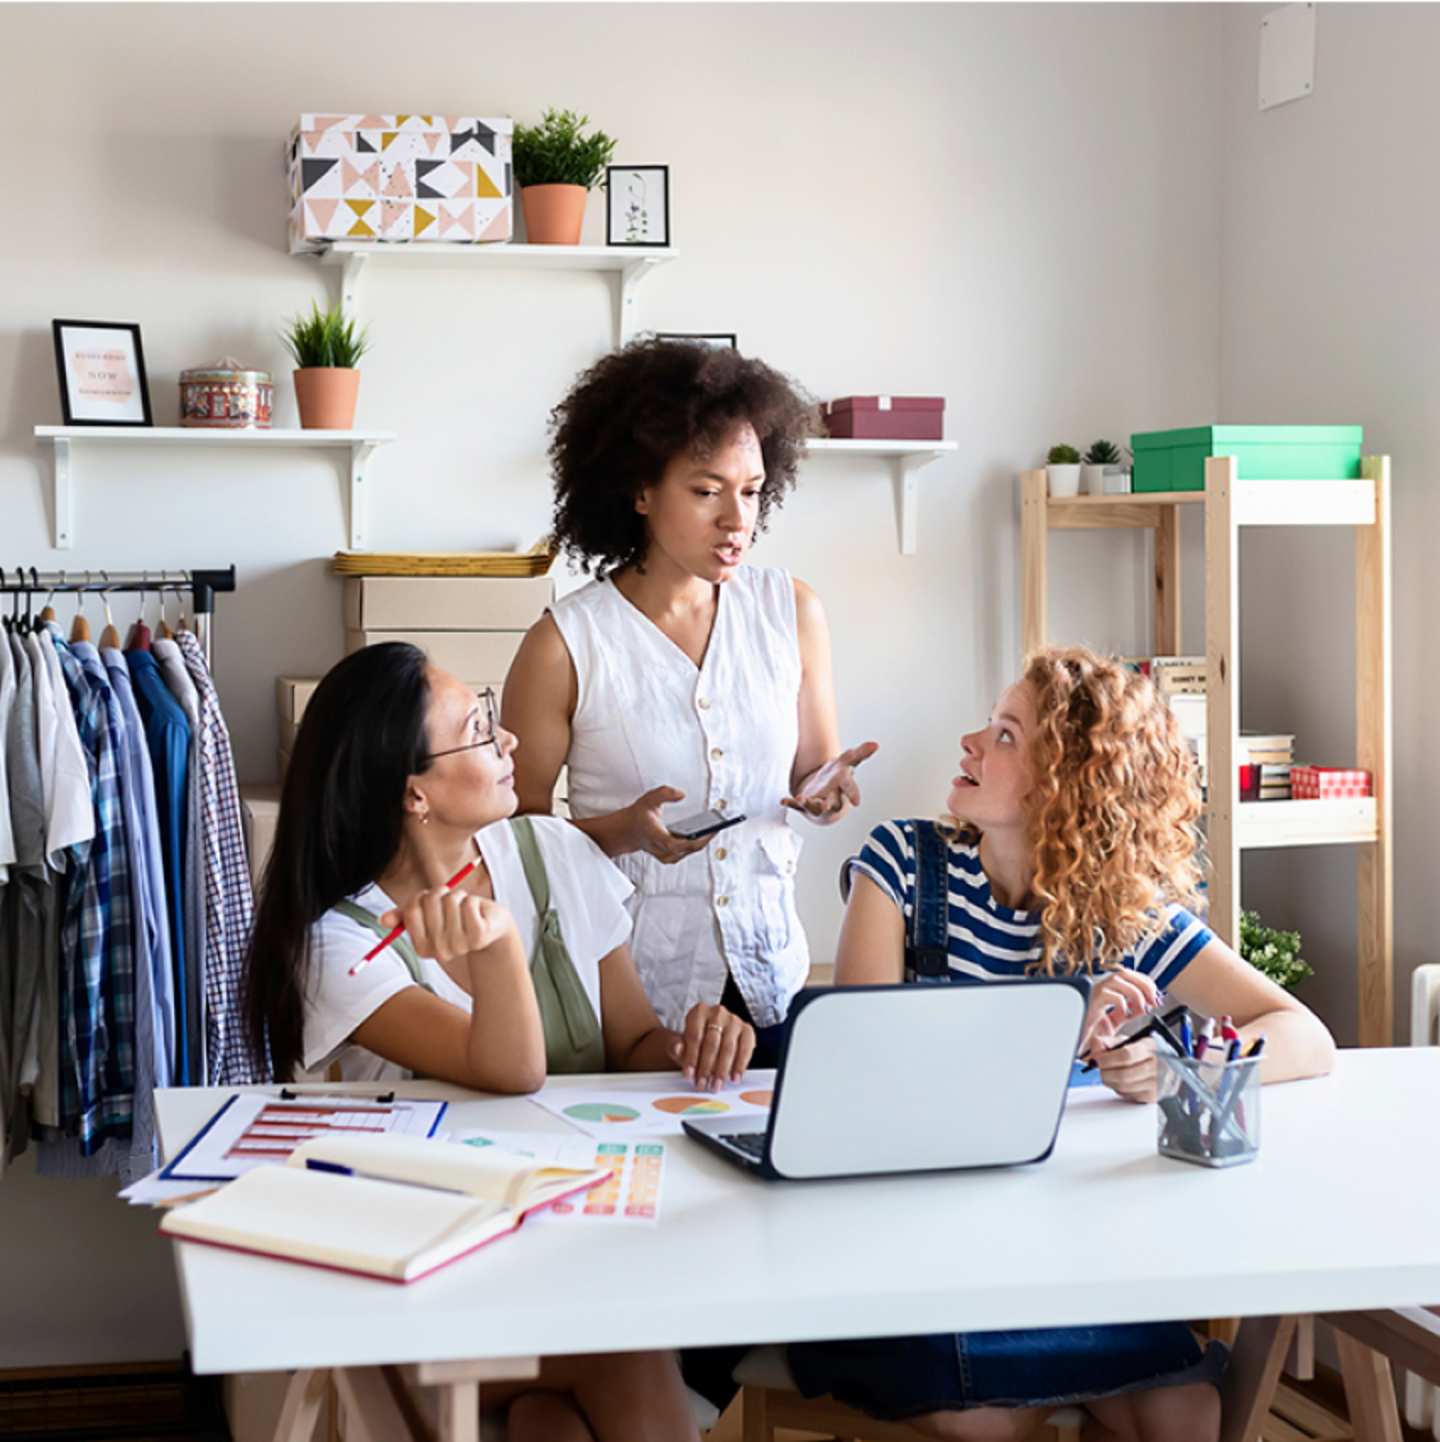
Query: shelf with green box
(1259, 476)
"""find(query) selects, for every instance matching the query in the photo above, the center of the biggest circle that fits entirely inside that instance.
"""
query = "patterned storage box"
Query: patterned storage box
(400, 178)
(1327, 783)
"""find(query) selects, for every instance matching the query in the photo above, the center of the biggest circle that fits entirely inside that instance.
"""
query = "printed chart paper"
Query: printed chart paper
(563, 1149)
(632, 1195)
(640, 1108)
(252, 1129)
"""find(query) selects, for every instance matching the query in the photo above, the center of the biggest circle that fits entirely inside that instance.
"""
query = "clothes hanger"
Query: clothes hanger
(47, 613)
(109, 636)
(162, 629)
(31, 624)
(12, 622)
(80, 627)
(180, 625)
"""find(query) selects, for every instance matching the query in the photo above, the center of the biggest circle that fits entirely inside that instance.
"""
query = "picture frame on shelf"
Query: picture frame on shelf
(637, 206)
(100, 367)
(717, 340)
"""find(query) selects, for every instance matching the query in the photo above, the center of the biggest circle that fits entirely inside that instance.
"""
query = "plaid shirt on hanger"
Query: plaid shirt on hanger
(229, 902)
(97, 937)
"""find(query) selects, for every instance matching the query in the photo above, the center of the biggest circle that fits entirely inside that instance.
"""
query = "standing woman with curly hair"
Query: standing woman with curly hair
(1069, 848)
(681, 679)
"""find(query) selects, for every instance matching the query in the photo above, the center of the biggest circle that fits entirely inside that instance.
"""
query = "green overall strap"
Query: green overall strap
(403, 947)
(573, 1039)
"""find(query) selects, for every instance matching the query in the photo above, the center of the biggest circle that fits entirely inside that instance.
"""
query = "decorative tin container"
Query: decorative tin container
(226, 395)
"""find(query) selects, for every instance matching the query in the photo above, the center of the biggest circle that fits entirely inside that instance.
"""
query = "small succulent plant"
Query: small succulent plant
(1103, 453)
(1063, 455)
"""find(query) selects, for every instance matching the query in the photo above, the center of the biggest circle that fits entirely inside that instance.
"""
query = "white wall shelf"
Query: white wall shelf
(626, 266)
(360, 444)
(905, 458)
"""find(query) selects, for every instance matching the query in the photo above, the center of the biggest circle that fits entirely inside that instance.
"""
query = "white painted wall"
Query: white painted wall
(1013, 206)
(1329, 314)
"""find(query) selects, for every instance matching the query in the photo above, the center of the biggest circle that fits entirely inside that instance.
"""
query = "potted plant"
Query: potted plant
(1276, 953)
(326, 350)
(1100, 456)
(1063, 468)
(556, 166)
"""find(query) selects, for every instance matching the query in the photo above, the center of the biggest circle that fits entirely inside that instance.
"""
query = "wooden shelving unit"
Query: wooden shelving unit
(1232, 827)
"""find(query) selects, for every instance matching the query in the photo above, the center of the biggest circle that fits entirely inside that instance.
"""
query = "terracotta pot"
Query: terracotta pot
(553, 213)
(326, 396)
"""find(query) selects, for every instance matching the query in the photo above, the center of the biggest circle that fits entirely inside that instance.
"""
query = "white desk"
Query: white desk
(1338, 1214)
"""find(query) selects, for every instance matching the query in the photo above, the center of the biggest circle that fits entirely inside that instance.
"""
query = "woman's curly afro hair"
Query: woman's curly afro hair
(634, 411)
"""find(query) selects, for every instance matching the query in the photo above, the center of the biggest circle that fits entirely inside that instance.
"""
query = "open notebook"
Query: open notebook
(385, 1206)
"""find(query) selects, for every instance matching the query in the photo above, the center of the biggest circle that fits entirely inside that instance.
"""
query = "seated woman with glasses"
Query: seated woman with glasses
(401, 780)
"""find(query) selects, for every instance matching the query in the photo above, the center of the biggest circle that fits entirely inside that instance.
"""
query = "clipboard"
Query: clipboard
(258, 1128)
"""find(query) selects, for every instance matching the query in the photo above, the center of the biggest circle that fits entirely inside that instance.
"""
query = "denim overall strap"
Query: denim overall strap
(573, 1039)
(402, 946)
(927, 942)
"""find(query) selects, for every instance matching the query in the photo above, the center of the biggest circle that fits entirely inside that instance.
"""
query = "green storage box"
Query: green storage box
(1175, 460)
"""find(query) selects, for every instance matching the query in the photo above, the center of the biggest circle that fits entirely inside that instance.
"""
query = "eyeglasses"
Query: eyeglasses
(487, 700)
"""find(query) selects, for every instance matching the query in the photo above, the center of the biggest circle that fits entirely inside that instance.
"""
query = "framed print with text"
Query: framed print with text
(101, 369)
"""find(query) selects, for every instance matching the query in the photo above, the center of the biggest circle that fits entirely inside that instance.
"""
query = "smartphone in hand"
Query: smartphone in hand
(703, 823)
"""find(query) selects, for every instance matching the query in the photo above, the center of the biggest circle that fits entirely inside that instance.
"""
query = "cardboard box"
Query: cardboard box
(259, 813)
(292, 695)
(466, 654)
(1328, 783)
(886, 418)
(1175, 460)
(445, 603)
(399, 177)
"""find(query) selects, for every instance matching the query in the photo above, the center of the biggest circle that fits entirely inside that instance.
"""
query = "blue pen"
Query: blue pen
(1187, 1037)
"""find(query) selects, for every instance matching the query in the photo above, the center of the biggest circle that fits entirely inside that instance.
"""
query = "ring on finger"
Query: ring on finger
(714, 1026)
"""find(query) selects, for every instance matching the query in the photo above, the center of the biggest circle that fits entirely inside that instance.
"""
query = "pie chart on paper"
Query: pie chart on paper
(691, 1106)
(601, 1112)
(758, 1098)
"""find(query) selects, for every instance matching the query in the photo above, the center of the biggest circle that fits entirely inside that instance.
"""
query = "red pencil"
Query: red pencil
(399, 931)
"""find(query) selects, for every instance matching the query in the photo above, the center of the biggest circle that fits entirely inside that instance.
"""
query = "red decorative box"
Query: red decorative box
(1327, 783)
(886, 418)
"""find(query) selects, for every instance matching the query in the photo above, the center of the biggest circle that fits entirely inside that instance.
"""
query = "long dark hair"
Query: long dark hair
(341, 811)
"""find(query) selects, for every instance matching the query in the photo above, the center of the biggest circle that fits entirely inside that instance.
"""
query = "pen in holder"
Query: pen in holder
(1209, 1110)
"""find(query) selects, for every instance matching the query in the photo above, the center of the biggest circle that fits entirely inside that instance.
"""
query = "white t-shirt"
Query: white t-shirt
(587, 892)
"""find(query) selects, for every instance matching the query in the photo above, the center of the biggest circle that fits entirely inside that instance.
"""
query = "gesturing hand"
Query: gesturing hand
(450, 924)
(1117, 996)
(823, 794)
(714, 1048)
(648, 833)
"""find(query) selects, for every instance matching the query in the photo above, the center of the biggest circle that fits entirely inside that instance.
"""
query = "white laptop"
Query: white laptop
(879, 1079)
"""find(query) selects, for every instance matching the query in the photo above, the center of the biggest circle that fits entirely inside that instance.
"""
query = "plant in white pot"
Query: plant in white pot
(1100, 456)
(556, 167)
(1063, 468)
(326, 350)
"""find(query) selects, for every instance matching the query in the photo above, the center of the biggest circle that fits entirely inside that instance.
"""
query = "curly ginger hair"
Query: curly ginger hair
(1112, 809)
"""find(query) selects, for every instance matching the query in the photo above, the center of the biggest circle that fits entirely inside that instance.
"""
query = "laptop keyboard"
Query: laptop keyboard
(751, 1143)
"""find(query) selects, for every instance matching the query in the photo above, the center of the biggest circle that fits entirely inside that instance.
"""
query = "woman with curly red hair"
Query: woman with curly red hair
(1069, 848)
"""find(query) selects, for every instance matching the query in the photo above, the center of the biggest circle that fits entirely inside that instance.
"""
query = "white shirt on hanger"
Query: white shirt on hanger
(69, 807)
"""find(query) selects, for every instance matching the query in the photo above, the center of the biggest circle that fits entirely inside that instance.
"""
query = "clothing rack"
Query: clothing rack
(203, 586)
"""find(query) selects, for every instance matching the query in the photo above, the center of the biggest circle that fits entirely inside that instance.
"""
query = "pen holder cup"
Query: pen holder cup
(1208, 1111)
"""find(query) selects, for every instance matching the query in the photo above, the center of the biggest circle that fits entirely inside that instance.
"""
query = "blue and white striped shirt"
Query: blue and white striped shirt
(990, 942)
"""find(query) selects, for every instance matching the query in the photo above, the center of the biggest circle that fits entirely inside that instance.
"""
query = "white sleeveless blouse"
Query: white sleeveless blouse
(726, 735)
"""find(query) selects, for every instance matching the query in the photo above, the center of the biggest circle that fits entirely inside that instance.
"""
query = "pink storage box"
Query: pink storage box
(886, 418)
(1327, 783)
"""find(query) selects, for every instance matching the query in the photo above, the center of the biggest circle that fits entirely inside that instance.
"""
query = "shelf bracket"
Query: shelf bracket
(626, 312)
(907, 496)
(360, 453)
(63, 496)
(351, 269)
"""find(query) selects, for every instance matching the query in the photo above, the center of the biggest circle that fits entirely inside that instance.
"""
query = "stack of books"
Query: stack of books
(1274, 754)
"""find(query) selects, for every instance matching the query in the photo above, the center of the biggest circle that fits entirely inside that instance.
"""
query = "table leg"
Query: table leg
(1369, 1390)
(1251, 1378)
(304, 1400)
